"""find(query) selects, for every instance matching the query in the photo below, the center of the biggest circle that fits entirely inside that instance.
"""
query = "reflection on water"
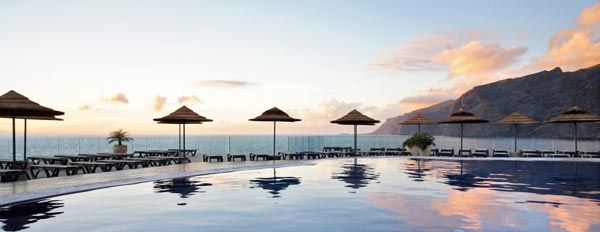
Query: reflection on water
(185, 187)
(17, 217)
(356, 175)
(274, 184)
(396, 194)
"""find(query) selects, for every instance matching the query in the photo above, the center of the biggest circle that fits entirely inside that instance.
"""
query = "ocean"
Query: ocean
(238, 144)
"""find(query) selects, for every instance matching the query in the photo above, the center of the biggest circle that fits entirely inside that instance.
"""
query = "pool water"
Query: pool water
(375, 194)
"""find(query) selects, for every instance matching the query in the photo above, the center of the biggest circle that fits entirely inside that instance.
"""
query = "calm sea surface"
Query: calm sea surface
(44, 146)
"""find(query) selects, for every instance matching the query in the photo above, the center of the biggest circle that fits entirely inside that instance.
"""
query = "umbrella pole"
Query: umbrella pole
(274, 141)
(25, 140)
(355, 137)
(14, 145)
(515, 137)
(179, 138)
(183, 139)
(419, 128)
(576, 153)
(461, 137)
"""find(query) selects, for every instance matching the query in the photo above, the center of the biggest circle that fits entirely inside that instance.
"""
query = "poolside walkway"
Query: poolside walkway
(14, 192)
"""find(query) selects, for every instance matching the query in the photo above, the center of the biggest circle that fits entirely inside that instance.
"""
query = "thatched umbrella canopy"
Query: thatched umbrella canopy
(16, 106)
(182, 116)
(418, 120)
(274, 115)
(355, 118)
(462, 117)
(574, 115)
(516, 118)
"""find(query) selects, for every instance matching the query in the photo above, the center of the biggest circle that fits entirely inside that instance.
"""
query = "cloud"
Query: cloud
(416, 54)
(331, 109)
(192, 100)
(118, 98)
(223, 84)
(476, 59)
(427, 98)
(590, 15)
(85, 107)
(573, 48)
(159, 103)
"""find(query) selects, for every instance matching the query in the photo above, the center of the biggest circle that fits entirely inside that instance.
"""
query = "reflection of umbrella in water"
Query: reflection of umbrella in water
(355, 118)
(16, 106)
(415, 173)
(418, 120)
(17, 217)
(517, 118)
(574, 115)
(462, 117)
(356, 175)
(185, 187)
(275, 184)
(182, 116)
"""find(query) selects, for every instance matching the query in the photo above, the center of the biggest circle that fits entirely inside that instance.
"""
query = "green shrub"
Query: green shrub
(421, 140)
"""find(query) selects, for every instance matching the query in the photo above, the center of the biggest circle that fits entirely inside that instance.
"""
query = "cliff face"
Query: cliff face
(540, 96)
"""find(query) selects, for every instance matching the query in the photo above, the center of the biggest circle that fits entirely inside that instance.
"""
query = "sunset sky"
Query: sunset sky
(118, 64)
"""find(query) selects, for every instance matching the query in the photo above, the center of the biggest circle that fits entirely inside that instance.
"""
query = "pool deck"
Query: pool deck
(20, 191)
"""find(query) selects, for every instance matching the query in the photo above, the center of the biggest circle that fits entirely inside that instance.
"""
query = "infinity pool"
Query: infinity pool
(379, 194)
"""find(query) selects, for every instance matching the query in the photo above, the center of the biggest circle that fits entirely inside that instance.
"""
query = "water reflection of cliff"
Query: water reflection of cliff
(185, 187)
(274, 184)
(18, 217)
(356, 175)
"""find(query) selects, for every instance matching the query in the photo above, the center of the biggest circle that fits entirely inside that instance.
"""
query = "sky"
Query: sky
(119, 64)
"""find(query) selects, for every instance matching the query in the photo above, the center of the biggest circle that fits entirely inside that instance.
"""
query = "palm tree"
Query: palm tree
(119, 136)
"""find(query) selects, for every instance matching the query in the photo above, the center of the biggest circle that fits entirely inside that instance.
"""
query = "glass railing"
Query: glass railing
(46, 146)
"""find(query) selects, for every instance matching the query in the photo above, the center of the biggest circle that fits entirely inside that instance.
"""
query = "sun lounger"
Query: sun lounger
(446, 152)
(481, 153)
(91, 167)
(232, 158)
(376, 151)
(256, 157)
(9, 164)
(53, 170)
(132, 164)
(590, 155)
(75, 158)
(210, 158)
(186, 152)
(500, 153)
(531, 153)
(48, 160)
(434, 152)
(154, 161)
(464, 153)
(13, 174)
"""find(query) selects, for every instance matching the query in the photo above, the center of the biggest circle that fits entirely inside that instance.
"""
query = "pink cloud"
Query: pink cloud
(192, 100)
(573, 48)
(118, 98)
(159, 103)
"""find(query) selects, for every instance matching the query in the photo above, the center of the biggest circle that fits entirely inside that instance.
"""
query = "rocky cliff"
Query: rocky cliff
(540, 96)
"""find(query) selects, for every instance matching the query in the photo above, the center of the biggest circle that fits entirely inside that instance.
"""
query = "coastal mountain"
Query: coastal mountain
(540, 96)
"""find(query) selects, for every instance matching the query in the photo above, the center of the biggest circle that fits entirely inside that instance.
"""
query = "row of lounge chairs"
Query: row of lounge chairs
(335, 152)
(89, 163)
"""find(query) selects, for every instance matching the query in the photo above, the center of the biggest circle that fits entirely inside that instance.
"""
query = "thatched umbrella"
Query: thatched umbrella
(517, 118)
(14, 105)
(418, 120)
(274, 115)
(574, 115)
(355, 118)
(182, 116)
(462, 117)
